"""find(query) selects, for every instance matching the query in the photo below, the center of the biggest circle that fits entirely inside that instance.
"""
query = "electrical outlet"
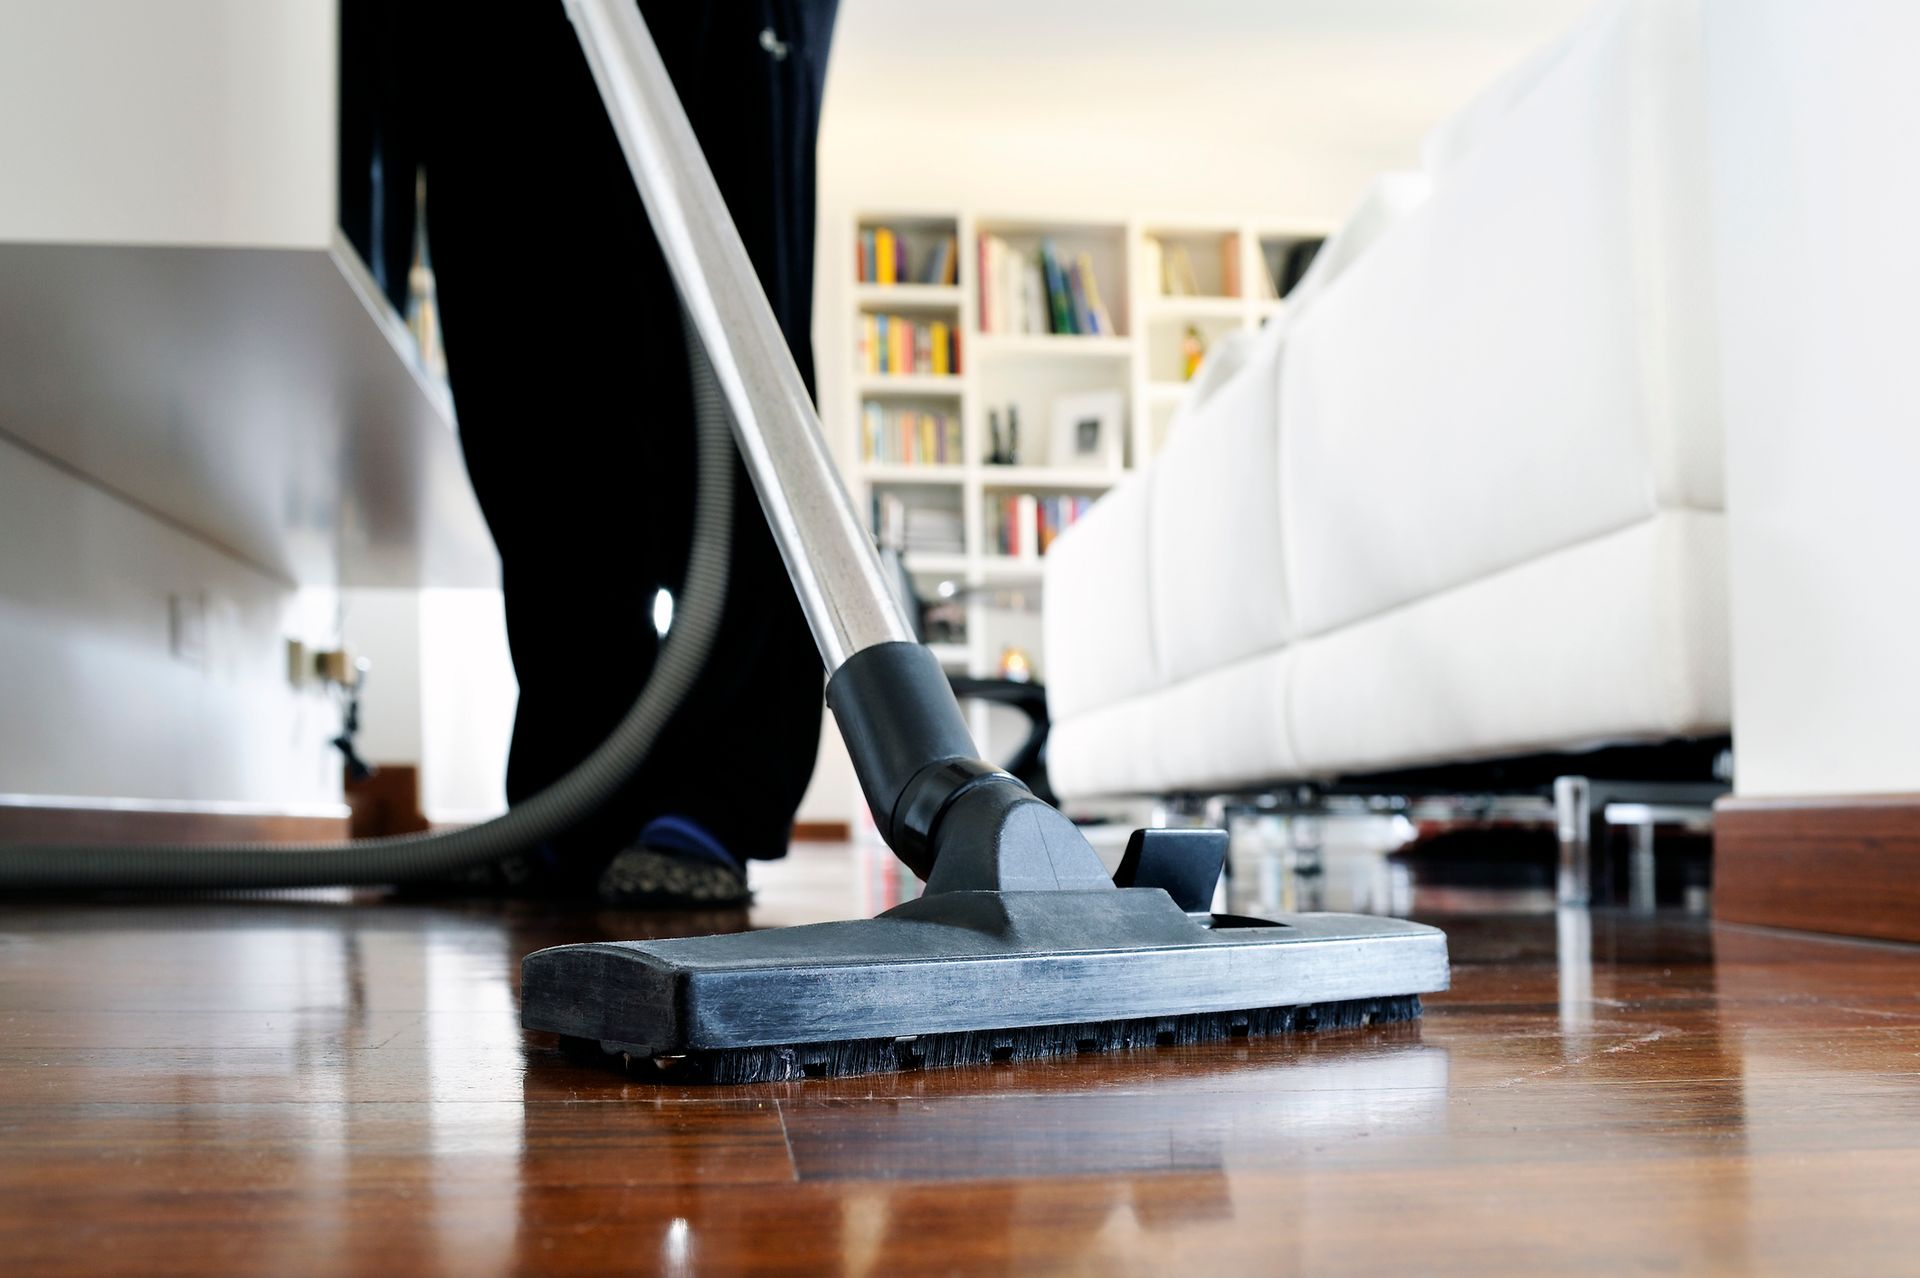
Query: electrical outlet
(337, 666)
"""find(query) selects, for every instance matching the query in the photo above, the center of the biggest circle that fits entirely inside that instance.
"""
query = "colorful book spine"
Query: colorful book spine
(908, 437)
(985, 273)
(1096, 309)
(1026, 524)
(896, 344)
(940, 263)
(1059, 304)
(1077, 301)
(882, 255)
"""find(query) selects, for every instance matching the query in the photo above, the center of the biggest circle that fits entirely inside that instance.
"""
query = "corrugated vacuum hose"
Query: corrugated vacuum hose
(403, 858)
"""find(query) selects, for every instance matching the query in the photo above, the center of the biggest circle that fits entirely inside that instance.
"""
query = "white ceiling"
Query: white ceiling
(1312, 95)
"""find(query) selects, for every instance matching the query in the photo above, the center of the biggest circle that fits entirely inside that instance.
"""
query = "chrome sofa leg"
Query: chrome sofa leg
(1641, 894)
(1573, 810)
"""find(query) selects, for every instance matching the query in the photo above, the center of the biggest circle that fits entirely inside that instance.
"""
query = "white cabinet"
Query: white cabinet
(180, 320)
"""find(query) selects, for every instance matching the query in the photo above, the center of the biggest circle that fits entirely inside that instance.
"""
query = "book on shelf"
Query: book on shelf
(990, 317)
(908, 437)
(1153, 264)
(1096, 309)
(943, 262)
(1025, 524)
(880, 252)
(1266, 279)
(1059, 305)
(1038, 292)
(882, 256)
(898, 345)
(1177, 276)
(917, 529)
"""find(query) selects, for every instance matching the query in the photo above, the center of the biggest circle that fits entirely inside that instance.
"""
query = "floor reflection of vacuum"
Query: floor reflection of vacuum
(1022, 945)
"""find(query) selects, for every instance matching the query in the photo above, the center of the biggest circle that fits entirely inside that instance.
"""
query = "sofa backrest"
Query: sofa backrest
(1526, 360)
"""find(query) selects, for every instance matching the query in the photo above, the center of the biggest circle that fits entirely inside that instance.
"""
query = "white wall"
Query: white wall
(382, 627)
(95, 701)
(440, 693)
(467, 698)
(183, 122)
(1817, 199)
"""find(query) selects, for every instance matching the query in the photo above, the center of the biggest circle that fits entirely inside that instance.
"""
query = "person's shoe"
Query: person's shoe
(676, 865)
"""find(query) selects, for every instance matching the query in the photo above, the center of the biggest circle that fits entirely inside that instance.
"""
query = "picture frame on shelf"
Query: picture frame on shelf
(1088, 430)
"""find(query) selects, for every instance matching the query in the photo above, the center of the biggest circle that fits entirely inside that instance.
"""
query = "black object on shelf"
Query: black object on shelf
(1005, 449)
(1299, 257)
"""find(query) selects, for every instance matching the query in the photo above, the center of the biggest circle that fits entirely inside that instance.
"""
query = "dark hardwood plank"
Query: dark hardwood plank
(821, 831)
(336, 1083)
(1848, 865)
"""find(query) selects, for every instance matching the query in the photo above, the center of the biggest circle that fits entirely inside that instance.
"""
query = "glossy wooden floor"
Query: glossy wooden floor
(284, 1087)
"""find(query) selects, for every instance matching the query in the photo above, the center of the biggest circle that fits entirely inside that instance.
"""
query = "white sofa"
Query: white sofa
(1465, 500)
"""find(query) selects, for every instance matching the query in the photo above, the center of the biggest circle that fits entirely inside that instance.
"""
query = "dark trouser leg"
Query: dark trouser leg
(570, 377)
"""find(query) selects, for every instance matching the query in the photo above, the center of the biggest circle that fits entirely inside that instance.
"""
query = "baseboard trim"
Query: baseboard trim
(822, 831)
(28, 819)
(1846, 864)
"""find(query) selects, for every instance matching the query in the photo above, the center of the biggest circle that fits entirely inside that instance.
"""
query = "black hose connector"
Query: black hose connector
(909, 743)
(934, 800)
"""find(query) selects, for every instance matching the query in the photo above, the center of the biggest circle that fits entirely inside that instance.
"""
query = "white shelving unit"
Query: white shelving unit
(1229, 258)
(1141, 361)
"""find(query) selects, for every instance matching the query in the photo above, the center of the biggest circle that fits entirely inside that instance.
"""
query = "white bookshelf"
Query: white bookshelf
(1229, 259)
(1029, 371)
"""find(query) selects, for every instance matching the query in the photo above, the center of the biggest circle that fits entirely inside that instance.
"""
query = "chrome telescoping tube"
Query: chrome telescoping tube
(829, 554)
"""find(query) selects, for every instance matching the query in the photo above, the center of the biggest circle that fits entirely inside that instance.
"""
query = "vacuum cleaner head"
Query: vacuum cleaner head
(972, 977)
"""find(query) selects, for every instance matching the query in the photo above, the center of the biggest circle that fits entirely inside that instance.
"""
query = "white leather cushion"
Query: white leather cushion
(1096, 628)
(1619, 638)
(1213, 529)
(1387, 201)
(1508, 370)
(1225, 358)
(1107, 751)
(1227, 728)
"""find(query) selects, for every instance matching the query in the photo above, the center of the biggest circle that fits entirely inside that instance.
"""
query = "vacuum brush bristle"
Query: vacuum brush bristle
(984, 1047)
